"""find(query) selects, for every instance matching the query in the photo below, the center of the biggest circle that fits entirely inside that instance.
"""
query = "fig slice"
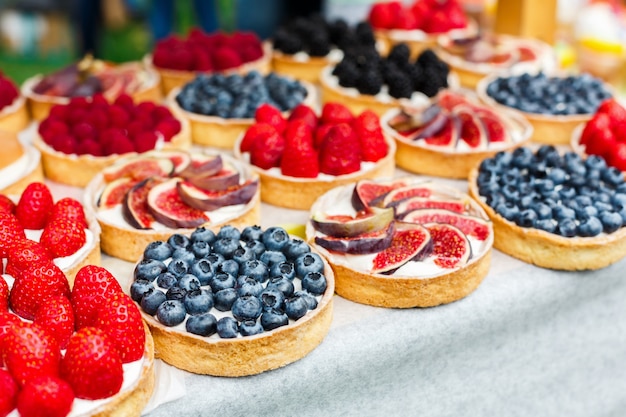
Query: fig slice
(470, 225)
(494, 126)
(206, 200)
(180, 159)
(451, 248)
(449, 100)
(369, 193)
(432, 128)
(114, 192)
(139, 169)
(411, 120)
(472, 131)
(394, 197)
(202, 164)
(168, 208)
(135, 206)
(363, 244)
(448, 135)
(227, 176)
(372, 219)
(409, 241)
(417, 203)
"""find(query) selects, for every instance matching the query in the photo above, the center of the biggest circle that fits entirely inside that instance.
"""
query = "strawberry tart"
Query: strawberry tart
(314, 153)
(402, 243)
(233, 303)
(13, 111)
(77, 140)
(20, 164)
(83, 351)
(87, 78)
(451, 135)
(152, 196)
(178, 61)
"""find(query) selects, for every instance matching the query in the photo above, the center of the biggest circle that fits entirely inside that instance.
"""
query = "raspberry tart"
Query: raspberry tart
(553, 210)
(78, 352)
(235, 302)
(553, 104)
(402, 243)
(79, 139)
(449, 137)
(220, 108)
(364, 80)
(20, 164)
(152, 196)
(13, 111)
(179, 61)
(307, 152)
(87, 78)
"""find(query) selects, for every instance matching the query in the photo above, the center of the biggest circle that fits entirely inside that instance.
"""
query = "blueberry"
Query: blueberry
(139, 287)
(223, 300)
(158, 250)
(508, 210)
(251, 233)
(255, 269)
(175, 293)
(247, 307)
(592, 226)
(185, 255)
(545, 150)
(526, 218)
(178, 267)
(542, 210)
(281, 284)
(270, 257)
(603, 197)
(314, 282)
(308, 262)
(272, 298)
(189, 282)
(171, 313)
(567, 227)
(227, 328)
(243, 254)
(149, 269)
(522, 157)
(611, 221)
(284, 269)
(203, 234)
(178, 241)
(250, 327)
(562, 212)
(577, 180)
(222, 281)
(311, 301)
(494, 199)
(228, 266)
(200, 249)
(272, 319)
(202, 324)
(249, 286)
(225, 247)
(612, 176)
(566, 192)
(619, 199)
(601, 206)
(230, 232)
(151, 301)
(296, 307)
(275, 238)
(544, 185)
(198, 301)
(295, 248)
(256, 246)
(215, 259)
(203, 270)
(511, 192)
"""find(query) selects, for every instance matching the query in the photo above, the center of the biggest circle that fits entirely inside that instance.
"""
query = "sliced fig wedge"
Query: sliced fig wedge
(135, 206)
(115, 192)
(227, 177)
(168, 208)
(472, 131)
(203, 165)
(410, 241)
(206, 200)
(369, 220)
(449, 100)
(372, 242)
(139, 169)
(469, 225)
(411, 120)
(417, 203)
(451, 248)
(369, 193)
(432, 128)
(180, 159)
(494, 126)
(449, 134)
(394, 197)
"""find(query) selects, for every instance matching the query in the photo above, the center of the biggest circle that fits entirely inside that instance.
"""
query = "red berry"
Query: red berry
(340, 152)
(92, 285)
(34, 206)
(25, 253)
(614, 110)
(50, 128)
(6, 204)
(45, 396)
(4, 297)
(10, 231)
(126, 101)
(120, 318)
(299, 134)
(118, 116)
(8, 390)
(267, 150)
(64, 143)
(335, 113)
(168, 127)
(77, 115)
(320, 134)
(266, 113)
(70, 209)
(57, 316)
(616, 156)
(226, 58)
(59, 112)
(253, 133)
(120, 144)
(89, 147)
(63, 237)
(83, 131)
(381, 16)
(302, 111)
(300, 160)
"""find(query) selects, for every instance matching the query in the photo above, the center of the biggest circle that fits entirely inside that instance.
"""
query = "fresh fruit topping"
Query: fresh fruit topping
(335, 113)
(223, 179)
(472, 131)
(340, 151)
(605, 134)
(429, 16)
(409, 242)
(63, 237)
(372, 242)
(139, 168)
(207, 200)
(8, 92)
(9, 390)
(371, 193)
(469, 225)
(92, 365)
(57, 316)
(10, 231)
(92, 285)
(254, 132)
(450, 246)
(408, 205)
(69, 209)
(34, 206)
(115, 191)
(266, 113)
(4, 295)
(267, 150)
(6, 205)
(119, 317)
(34, 286)
(48, 393)
(25, 253)
(135, 204)
(370, 220)
(167, 207)
(306, 113)
(202, 165)
(398, 195)
(370, 134)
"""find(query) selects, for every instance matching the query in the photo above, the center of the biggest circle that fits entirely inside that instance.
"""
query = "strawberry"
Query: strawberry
(340, 152)
(601, 142)
(57, 315)
(320, 134)
(7, 320)
(6, 205)
(616, 157)
(302, 111)
(30, 351)
(45, 396)
(120, 318)
(253, 133)
(381, 16)
(614, 110)
(299, 134)
(300, 160)
(267, 151)
(4, 295)
(600, 121)
(34, 206)
(63, 237)
(24, 254)
(8, 392)
(225, 58)
(92, 285)
(335, 113)
(266, 113)
(10, 231)
(437, 22)
(69, 209)
(35, 284)
(371, 138)
(366, 121)
(92, 365)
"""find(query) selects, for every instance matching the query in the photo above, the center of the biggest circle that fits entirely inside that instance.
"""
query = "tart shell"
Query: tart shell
(549, 250)
(33, 174)
(15, 118)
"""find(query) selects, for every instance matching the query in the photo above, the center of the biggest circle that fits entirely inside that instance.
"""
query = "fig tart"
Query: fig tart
(402, 243)
(79, 139)
(313, 153)
(89, 77)
(76, 352)
(554, 210)
(14, 115)
(451, 135)
(236, 302)
(20, 164)
(154, 195)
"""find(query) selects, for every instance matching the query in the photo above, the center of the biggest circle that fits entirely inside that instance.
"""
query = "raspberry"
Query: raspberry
(51, 127)
(77, 115)
(253, 133)
(161, 113)
(83, 131)
(168, 127)
(145, 141)
(118, 116)
(340, 152)
(34, 206)
(181, 59)
(98, 101)
(64, 143)
(266, 113)
(125, 101)
(225, 58)
(135, 127)
(203, 62)
(267, 151)
(99, 118)
(335, 113)
(118, 145)
(59, 112)
(251, 53)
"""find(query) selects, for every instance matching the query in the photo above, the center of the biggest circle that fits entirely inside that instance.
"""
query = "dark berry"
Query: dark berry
(295, 248)
(198, 301)
(247, 307)
(272, 298)
(611, 221)
(151, 301)
(185, 255)
(548, 225)
(255, 269)
(243, 254)
(204, 324)
(311, 301)
(178, 267)
(256, 246)
(283, 269)
(591, 226)
(282, 284)
(275, 238)
(227, 328)
(149, 269)
(270, 257)
(226, 247)
(139, 287)
(223, 300)
(171, 313)
(250, 328)
(158, 250)
(296, 307)
(215, 259)
(178, 241)
(308, 262)
(189, 282)
(200, 249)
(203, 234)
(175, 293)
(203, 270)
(526, 218)
(567, 228)
(167, 280)
(229, 231)
(228, 266)
(272, 319)
(314, 282)
(251, 233)
(249, 286)
(222, 281)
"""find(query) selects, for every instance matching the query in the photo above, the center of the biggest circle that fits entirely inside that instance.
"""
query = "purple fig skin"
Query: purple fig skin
(358, 245)
(166, 168)
(193, 219)
(133, 214)
(357, 201)
(470, 225)
(377, 219)
(418, 249)
(203, 165)
(213, 182)
(410, 119)
(201, 200)
(430, 129)
(113, 186)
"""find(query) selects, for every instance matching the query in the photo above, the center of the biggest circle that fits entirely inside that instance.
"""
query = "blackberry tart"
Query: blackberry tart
(553, 210)
(236, 302)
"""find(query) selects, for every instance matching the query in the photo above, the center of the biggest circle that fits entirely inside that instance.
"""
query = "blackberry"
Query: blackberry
(427, 58)
(432, 82)
(365, 34)
(415, 74)
(291, 45)
(347, 74)
(337, 30)
(319, 45)
(370, 82)
(348, 41)
(400, 85)
(399, 54)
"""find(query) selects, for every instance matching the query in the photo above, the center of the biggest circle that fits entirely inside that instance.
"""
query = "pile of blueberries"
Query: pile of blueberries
(257, 280)
(542, 94)
(237, 96)
(559, 193)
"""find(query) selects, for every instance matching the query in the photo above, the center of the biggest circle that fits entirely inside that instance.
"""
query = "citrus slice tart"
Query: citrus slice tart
(452, 134)
(20, 164)
(14, 115)
(87, 349)
(154, 195)
(79, 139)
(402, 243)
(178, 61)
(313, 153)
(89, 77)
(234, 303)
(553, 210)
(553, 103)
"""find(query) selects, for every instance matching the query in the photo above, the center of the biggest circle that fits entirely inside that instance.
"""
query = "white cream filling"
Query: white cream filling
(67, 261)
(335, 55)
(20, 168)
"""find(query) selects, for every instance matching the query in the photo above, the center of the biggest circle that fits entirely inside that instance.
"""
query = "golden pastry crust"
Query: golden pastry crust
(247, 355)
(33, 173)
(308, 70)
(14, 118)
(12, 149)
(549, 250)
